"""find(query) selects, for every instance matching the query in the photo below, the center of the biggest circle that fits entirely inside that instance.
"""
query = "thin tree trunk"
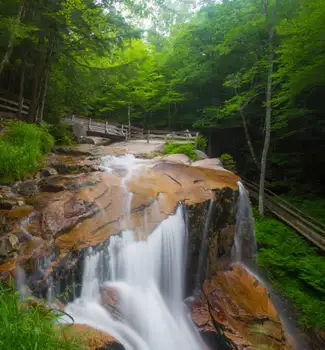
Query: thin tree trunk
(129, 121)
(169, 117)
(248, 138)
(268, 114)
(21, 92)
(40, 119)
(6, 58)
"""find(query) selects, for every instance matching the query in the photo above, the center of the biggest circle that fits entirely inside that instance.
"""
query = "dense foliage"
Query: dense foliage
(294, 266)
(22, 149)
(187, 149)
(31, 326)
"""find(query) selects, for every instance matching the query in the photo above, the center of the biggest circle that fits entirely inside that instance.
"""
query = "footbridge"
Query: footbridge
(120, 132)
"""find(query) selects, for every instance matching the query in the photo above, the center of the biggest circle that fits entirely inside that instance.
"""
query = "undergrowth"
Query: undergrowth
(186, 148)
(294, 266)
(313, 207)
(22, 147)
(63, 134)
(27, 327)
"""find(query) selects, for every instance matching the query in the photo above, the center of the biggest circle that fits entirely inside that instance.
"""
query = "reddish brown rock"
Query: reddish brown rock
(237, 302)
(93, 338)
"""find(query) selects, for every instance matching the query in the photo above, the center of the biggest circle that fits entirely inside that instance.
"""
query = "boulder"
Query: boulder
(177, 158)
(27, 188)
(94, 338)
(46, 172)
(86, 140)
(235, 303)
(110, 300)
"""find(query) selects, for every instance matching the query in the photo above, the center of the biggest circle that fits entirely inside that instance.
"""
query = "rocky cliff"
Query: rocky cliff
(47, 223)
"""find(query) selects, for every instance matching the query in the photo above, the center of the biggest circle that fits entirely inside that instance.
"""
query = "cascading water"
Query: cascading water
(147, 278)
(244, 248)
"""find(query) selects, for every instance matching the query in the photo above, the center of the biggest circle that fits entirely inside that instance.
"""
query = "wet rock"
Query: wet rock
(177, 158)
(94, 338)
(86, 140)
(62, 213)
(46, 172)
(51, 185)
(209, 163)
(201, 155)
(110, 300)
(7, 204)
(27, 188)
(237, 304)
(73, 151)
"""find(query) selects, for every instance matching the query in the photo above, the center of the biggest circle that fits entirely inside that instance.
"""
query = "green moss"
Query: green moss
(187, 148)
(294, 266)
(31, 327)
(22, 147)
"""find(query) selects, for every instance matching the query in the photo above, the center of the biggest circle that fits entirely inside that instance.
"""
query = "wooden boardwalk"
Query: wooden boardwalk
(120, 132)
(309, 227)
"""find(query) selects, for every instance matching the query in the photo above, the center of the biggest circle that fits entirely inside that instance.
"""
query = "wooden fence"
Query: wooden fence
(118, 131)
(309, 227)
(8, 105)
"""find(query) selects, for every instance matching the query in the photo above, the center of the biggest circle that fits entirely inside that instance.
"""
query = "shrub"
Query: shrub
(187, 148)
(23, 326)
(22, 147)
(202, 143)
(228, 162)
(63, 134)
(294, 266)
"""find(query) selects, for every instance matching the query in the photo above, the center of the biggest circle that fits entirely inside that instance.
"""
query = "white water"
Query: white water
(149, 279)
(244, 248)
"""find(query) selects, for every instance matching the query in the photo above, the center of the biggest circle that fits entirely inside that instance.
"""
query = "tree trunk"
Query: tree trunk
(129, 121)
(169, 117)
(248, 138)
(12, 37)
(21, 92)
(40, 118)
(268, 114)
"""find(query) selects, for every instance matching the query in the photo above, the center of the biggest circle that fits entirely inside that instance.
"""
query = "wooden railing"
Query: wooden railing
(309, 227)
(8, 105)
(122, 131)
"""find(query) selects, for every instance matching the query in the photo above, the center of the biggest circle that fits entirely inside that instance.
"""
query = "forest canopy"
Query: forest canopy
(247, 70)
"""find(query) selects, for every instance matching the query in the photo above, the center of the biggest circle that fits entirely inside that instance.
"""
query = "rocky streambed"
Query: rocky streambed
(84, 196)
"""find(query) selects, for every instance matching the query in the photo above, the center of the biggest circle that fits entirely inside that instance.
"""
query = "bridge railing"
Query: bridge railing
(132, 133)
(309, 227)
(10, 106)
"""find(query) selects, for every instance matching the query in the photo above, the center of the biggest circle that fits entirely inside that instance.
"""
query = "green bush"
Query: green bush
(27, 327)
(187, 148)
(294, 266)
(228, 162)
(202, 143)
(63, 134)
(22, 147)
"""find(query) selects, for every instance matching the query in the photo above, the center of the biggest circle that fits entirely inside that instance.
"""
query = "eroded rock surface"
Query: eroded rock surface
(237, 305)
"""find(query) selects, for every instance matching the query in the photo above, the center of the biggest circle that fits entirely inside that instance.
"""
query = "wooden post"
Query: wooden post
(196, 140)
(72, 118)
(89, 124)
(148, 136)
(106, 127)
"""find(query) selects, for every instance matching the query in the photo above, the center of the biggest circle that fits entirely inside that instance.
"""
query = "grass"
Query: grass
(313, 207)
(294, 266)
(22, 149)
(24, 327)
(186, 148)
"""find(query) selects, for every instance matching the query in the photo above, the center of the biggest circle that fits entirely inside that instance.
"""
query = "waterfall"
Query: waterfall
(244, 248)
(148, 280)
